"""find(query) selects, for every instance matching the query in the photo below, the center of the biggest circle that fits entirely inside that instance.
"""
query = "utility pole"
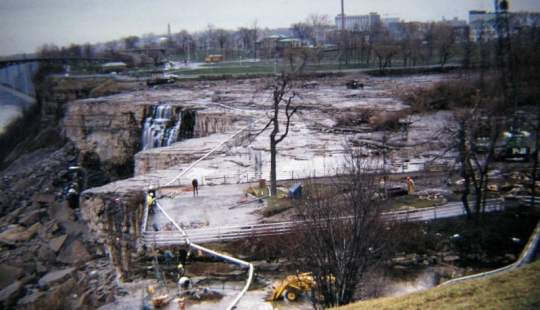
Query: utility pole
(342, 33)
(505, 59)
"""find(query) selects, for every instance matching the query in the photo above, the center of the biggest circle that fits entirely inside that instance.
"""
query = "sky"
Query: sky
(27, 24)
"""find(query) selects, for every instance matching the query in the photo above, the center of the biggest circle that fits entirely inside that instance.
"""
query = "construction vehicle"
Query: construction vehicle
(482, 143)
(515, 141)
(214, 58)
(353, 84)
(293, 285)
(161, 300)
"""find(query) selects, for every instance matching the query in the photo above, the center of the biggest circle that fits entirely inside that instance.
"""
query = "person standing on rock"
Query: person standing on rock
(182, 255)
(181, 270)
(151, 202)
(195, 184)
(152, 189)
(168, 259)
(410, 185)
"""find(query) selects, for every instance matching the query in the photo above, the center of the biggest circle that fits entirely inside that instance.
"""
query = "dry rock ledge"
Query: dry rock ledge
(69, 235)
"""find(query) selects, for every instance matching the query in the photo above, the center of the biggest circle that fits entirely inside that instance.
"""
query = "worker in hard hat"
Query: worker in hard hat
(184, 283)
(410, 185)
(181, 270)
(151, 202)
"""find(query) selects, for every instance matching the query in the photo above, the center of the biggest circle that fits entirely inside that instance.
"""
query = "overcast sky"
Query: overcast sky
(27, 24)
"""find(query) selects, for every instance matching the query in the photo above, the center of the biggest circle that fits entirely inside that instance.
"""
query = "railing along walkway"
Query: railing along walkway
(239, 232)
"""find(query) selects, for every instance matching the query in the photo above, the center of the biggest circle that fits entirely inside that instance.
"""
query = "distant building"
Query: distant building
(273, 46)
(357, 22)
(110, 67)
(454, 22)
(391, 20)
(484, 24)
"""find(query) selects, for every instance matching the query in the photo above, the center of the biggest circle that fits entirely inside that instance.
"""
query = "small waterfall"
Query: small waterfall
(161, 128)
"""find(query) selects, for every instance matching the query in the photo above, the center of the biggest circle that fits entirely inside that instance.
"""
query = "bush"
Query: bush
(389, 121)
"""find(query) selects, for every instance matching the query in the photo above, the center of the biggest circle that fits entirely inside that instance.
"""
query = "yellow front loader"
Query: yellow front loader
(292, 285)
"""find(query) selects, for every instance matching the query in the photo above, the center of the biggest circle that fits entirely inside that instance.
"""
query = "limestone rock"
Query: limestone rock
(46, 255)
(56, 243)
(60, 211)
(10, 294)
(11, 217)
(9, 274)
(73, 253)
(10, 235)
(18, 233)
(55, 277)
(32, 217)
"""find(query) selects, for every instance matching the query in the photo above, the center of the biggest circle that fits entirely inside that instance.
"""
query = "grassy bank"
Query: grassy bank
(513, 289)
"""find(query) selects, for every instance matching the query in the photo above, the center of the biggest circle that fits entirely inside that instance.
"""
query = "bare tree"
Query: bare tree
(246, 37)
(48, 51)
(254, 36)
(445, 42)
(319, 25)
(283, 94)
(343, 235)
(210, 35)
(303, 31)
(410, 42)
(185, 43)
(88, 50)
(223, 38)
(131, 42)
(475, 133)
(384, 48)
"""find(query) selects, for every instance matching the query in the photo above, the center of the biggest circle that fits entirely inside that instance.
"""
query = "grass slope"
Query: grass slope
(513, 289)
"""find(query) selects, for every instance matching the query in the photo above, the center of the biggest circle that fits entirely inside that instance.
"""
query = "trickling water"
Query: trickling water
(161, 128)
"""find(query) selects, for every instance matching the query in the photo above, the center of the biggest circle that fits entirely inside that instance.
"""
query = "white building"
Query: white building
(357, 22)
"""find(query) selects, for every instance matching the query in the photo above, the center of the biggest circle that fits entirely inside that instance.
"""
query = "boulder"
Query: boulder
(10, 294)
(9, 274)
(10, 217)
(60, 211)
(56, 243)
(30, 232)
(55, 277)
(18, 233)
(73, 253)
(10, 235)
(46, 255)
(75, 229)
(30, 299)
(32, 217)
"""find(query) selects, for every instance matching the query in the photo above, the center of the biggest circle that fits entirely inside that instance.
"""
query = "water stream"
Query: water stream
(161, 128)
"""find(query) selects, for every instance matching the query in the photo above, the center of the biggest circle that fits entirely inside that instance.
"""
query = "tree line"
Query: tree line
(403, 44)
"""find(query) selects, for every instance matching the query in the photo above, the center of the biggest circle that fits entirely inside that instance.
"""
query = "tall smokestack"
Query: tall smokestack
(342, 16)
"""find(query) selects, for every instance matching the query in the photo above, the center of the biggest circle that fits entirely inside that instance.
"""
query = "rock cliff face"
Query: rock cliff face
(114, 221)
(53, 238)
(62, 219)
(107, 132)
